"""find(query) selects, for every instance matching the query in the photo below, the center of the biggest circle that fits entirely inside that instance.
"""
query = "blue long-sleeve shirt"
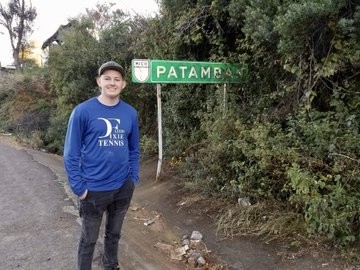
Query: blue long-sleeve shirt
(101, 149)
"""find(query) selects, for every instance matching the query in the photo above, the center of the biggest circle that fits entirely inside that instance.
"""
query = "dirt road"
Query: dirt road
(41, 225)
(36, 228)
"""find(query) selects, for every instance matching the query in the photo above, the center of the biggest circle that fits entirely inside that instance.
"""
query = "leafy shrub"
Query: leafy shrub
(148, 146)
(26, 104)
(55, 135)
(329, 204)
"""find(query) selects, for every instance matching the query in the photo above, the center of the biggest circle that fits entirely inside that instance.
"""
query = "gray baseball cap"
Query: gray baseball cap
(113, 66)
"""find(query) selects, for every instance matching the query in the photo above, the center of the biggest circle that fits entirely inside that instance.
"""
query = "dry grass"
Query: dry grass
(266, 219)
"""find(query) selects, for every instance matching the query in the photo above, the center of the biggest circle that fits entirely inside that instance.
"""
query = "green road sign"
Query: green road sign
(164, 71)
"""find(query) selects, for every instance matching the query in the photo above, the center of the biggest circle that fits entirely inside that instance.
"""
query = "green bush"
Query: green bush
(148, 146)
(25, 105)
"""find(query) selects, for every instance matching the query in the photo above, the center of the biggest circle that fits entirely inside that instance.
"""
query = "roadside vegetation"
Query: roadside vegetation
(287, 142)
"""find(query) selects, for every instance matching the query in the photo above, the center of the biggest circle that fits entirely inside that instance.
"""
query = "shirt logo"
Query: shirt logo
(114, 136)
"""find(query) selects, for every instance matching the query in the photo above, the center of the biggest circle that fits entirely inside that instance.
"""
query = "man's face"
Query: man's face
(111, 83)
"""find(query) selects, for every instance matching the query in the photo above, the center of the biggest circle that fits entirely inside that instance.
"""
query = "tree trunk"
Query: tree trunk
(16, 58)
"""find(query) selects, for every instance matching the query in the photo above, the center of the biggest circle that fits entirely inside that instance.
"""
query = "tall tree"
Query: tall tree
(17, 17)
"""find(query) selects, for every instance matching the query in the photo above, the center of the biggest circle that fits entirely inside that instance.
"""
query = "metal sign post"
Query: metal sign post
(158, 95)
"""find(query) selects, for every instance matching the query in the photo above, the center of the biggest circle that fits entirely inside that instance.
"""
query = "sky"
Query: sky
(51, 14)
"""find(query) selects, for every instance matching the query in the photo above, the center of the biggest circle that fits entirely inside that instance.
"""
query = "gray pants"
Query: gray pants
(115, 204)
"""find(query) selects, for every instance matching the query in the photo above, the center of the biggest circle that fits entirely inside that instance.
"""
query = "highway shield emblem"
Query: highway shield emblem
(141, 70)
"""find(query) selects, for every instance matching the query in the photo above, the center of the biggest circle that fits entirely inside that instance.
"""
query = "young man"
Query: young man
(101, 157)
